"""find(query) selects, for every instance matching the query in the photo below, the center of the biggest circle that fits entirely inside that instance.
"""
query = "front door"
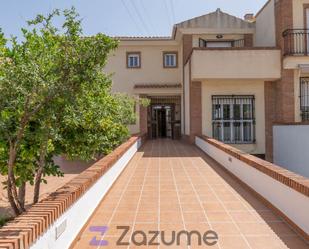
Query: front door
(161, 123)
(162, 117)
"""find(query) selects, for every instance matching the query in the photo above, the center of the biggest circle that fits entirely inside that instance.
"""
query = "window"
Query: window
(221, 43)
(215, 44)
(133, 59)
(170, 59)
(233, 118)
(304, 98)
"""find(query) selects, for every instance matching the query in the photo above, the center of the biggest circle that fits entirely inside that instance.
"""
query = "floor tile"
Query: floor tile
(172, 186)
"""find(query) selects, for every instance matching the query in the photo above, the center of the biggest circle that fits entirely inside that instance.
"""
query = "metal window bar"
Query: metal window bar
(304, 98)
(233, 118)
(239, 43)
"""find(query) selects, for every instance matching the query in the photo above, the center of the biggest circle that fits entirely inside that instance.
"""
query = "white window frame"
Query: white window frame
(167, 60)
(133, 59)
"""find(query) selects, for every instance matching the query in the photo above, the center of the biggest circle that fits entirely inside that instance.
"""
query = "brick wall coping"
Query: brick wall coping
(288, 178)
(25, 229)
(291, 123)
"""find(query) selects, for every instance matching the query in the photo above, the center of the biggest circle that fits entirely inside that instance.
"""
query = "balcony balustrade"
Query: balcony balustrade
(296, 42)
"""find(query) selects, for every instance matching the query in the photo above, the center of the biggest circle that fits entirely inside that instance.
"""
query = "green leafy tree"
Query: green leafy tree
(55, 99)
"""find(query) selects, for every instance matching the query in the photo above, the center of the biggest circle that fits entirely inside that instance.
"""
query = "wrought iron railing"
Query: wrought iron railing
(233, 118)
(239, 43)
(232, 43)
(296, 42)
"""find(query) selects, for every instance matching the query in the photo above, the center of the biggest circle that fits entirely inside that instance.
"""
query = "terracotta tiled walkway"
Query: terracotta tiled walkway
(171, 186)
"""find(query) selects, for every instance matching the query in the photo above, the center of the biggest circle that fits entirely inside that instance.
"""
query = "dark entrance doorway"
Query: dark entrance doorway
(164, 118)
(161, 120)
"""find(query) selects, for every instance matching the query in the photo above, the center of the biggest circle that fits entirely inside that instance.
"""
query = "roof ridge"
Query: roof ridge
(138, 37)
(218, 11)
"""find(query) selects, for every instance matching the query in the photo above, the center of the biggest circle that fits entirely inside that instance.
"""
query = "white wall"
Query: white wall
(298, 13)
(151, 71)
(75, 218)
(265, 34)
(292, 203)
(236, 87)
(236, 64)
(291, 147)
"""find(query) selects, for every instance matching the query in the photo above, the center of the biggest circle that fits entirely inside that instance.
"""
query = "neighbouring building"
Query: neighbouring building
(221, 76)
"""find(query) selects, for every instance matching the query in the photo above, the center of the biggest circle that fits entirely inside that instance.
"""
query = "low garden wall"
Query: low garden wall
(283, 191)
(55, 221)
(291, 143)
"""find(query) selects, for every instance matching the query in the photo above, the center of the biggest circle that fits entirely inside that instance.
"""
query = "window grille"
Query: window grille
(304, 98)
(233, 118)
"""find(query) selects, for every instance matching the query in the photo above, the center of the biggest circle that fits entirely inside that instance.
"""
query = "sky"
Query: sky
(122, 17)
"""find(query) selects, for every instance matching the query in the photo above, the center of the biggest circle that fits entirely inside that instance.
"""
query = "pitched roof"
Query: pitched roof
(154, 38)
(216, 20)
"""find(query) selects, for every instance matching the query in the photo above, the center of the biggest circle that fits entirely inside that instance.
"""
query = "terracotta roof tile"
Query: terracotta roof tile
(142, 37)
(138, 86)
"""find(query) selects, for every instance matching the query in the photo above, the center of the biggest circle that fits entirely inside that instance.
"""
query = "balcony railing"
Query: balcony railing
(222, 43)
(239, 43)
(296, 42)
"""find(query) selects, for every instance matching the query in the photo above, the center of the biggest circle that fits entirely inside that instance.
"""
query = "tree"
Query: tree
(55, 99)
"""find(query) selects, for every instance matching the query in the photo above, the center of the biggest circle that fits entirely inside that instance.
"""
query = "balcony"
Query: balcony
(236, 63)
(233, 44)
(296, 42)
(296, 48)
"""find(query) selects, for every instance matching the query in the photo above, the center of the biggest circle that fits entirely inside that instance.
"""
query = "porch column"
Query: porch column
(270, 117)
(279, 95)
(143, 119)
(187, 47)
(195, 109)
(285, 105)
(248, 40)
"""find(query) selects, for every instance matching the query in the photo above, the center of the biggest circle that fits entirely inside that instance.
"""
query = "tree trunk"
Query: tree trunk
(22, 195)
(37, 184)
(11, 199)
(40, 171)
(11, 186)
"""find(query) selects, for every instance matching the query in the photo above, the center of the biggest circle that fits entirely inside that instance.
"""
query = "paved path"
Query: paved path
(171, 186)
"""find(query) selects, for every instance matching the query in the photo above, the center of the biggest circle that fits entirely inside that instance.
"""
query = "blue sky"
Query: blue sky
(122, 17)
